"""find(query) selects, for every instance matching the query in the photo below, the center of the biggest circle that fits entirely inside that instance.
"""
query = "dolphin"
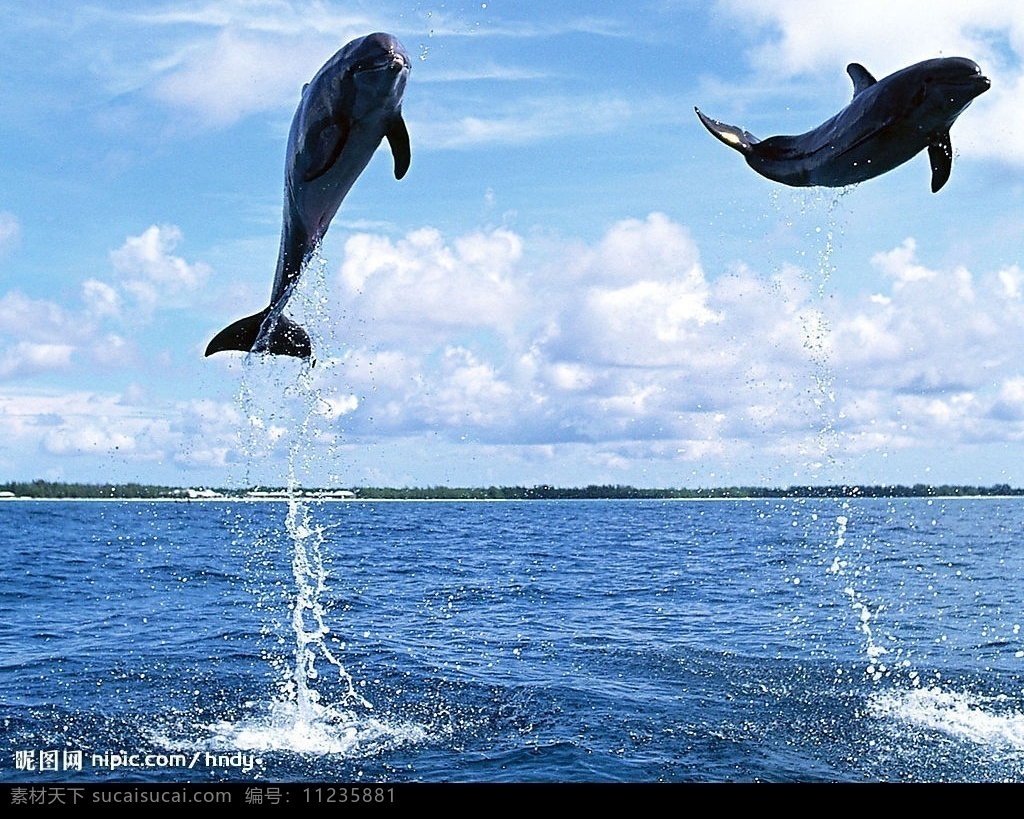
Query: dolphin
(887, 122)
(351, 105)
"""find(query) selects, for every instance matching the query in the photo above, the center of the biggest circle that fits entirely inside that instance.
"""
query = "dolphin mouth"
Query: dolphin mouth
(392, 61)
(976, 85)
(976, 80)
(968, 87)
(963, 75)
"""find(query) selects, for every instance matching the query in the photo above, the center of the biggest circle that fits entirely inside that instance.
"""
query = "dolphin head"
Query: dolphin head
(947, 85)
(378, 66)
(375, 52)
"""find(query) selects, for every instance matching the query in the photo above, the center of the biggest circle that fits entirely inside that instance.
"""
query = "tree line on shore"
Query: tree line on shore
(137, 491)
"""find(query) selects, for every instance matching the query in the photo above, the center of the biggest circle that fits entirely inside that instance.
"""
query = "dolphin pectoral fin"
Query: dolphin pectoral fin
(940, 154)
(398, 139)
(862, 78)
(247, 335)
(729, 134)
(328, 146)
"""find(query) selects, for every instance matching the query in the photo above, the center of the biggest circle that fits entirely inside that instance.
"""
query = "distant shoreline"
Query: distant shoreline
(52, 490)
(317, 499)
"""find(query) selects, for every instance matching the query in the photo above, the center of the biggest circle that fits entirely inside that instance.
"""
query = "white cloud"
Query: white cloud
(476, 72)
(522, 121)
(100, 298)
(219, 61)
(10, 231)
(648, 323)
(872, 32)
(149, 272)
(237, 59)
(608, 356)
(23, 318)
(237, 74)
(886, 36)
(472, 393)
(128, 427)
(629, 341)
(1009, 403)
(651, 249)
(280, 17)
(31, 358)
(937, 331)
(39, 335)
(470, 330)
(899, 263)
(1012, 279)
(423, 288)
(86, 439)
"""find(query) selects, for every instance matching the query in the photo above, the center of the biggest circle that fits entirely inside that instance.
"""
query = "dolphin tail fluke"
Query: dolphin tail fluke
(729, 134)
(247, 334)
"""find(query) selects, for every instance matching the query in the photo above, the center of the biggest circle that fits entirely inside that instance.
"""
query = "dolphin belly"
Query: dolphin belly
(837, 164)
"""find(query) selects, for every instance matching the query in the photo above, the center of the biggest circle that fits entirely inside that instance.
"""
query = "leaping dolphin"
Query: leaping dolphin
(353, 102)
(887, 122)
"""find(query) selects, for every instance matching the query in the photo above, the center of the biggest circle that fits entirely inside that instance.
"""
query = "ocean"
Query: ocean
(798, 640)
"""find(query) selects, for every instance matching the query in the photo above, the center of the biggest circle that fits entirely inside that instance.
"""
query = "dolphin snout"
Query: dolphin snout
(975, 78)
(392, 59)
(978, 84)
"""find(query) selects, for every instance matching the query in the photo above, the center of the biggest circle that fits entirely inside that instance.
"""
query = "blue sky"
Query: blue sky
(575, 283)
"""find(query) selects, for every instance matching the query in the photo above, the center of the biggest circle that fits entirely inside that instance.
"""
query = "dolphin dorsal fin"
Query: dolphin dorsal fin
(861, 77)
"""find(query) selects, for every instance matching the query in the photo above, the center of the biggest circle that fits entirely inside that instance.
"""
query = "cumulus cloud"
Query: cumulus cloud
(70, 423)
(39, 335)
(423, 287)
(584, 356)
(628, 343)
(149, 272)
(100, 298)
(936, 330)
(608, 355)
(28, 358)
(130, 428)
(645, 292)
(1009, 403)
(22, 317)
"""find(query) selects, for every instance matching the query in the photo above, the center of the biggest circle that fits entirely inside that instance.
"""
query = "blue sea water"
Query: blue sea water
(564, 641)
